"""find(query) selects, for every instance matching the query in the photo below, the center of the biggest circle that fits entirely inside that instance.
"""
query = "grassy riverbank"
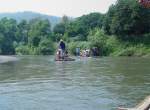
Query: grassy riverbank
(113, 47)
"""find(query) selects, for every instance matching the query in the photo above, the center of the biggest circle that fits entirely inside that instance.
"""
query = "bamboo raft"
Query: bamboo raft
(65, 59)
(144, 105)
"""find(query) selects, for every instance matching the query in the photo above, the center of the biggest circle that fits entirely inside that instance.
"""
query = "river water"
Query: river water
(40, 83)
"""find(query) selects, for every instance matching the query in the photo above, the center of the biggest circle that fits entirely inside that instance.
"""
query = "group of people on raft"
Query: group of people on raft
(62, 52)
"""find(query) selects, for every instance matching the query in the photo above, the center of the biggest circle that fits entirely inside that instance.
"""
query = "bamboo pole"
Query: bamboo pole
(144, 105)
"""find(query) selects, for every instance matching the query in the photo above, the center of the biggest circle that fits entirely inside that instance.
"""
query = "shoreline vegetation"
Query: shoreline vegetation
(123, 31)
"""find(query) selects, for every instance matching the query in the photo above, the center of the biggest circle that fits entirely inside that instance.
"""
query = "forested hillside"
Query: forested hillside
(27, 15)
(123, 31)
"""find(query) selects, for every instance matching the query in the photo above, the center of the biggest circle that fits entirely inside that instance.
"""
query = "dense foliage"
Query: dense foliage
(123, 31)
(32, 37)
(128, 20)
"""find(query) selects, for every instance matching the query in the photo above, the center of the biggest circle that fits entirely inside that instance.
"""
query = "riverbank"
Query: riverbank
(4, 59)
(113, 47)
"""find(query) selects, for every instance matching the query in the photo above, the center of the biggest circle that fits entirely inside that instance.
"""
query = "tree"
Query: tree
(98, 38)
(46, 47)
(81, 26)
(39, 29)
(65, 20)
(59, 29)
(22, 33)
(8, 28)
(128, 20)
(108, 19)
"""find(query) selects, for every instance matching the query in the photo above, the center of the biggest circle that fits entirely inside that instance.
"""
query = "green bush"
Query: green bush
(112, 45)
(99, 39)
(22, 50)
(46, 47)
(80, 44)
(132, 50)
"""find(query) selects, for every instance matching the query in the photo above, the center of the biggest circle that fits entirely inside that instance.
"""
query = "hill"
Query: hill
(27, 15)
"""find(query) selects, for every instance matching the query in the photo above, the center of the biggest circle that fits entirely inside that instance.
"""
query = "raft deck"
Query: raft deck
(144, 105)
(65, 59)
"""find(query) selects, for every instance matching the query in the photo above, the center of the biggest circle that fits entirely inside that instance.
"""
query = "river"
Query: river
(40, 83)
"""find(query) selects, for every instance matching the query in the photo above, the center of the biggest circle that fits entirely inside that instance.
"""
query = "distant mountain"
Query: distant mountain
(27, 15)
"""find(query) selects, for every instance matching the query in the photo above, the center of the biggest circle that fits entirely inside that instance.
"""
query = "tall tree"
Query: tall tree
(82, 25)
(39, 29)
(22, 33)
(8, 28)
(128, 19)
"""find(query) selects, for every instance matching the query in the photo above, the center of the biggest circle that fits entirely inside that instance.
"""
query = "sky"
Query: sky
(74, 8)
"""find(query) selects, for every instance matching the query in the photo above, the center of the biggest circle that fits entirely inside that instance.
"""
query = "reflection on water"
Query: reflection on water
(39, 83)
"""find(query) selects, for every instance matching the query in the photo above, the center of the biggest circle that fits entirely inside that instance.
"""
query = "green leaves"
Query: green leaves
(97, 38)
(46, 47)
(79, 28)
(25, 38)
(127, 18)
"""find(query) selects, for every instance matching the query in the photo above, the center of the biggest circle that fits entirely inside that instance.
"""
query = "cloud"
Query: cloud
(56, 7)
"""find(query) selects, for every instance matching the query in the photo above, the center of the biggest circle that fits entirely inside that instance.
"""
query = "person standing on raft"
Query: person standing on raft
(62, 47)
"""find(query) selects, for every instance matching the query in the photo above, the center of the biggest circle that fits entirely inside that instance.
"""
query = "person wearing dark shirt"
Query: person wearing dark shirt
(62, 45)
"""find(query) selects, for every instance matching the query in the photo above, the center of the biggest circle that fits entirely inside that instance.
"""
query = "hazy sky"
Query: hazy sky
(56, 7)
